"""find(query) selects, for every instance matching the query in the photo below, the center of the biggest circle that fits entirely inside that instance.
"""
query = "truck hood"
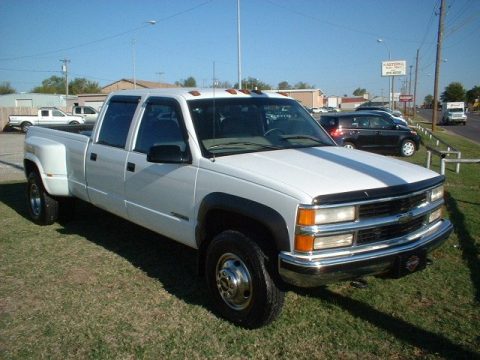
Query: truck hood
(310, 172)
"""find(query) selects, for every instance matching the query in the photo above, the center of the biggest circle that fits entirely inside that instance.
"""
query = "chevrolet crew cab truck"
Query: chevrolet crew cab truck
(252, 182)
(45, 117)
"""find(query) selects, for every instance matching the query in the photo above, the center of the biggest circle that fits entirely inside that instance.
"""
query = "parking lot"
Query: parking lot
(11, 156)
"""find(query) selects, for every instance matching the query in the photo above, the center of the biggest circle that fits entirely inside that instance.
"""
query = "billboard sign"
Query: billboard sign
(394, 68)
(406, 98)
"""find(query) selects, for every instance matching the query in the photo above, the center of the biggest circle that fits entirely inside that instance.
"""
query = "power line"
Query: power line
(108, 37)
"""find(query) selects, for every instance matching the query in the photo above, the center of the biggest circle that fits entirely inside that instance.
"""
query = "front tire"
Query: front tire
(241, 287)
(348, 145)
(42, 208)
(408, 148)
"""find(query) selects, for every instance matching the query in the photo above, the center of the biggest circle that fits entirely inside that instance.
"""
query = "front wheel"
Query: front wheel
(42, 208)
(74, 122)
(408, 148)
(348, 145)
(242, 289)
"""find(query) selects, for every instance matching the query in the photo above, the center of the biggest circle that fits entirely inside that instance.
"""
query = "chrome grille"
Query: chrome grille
(388, 232)
(397, 206)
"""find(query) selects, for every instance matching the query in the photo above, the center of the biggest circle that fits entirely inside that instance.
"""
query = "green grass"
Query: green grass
(99, 287)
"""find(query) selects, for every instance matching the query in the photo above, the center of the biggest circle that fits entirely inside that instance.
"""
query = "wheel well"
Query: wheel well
(217, 221)
(29, 166)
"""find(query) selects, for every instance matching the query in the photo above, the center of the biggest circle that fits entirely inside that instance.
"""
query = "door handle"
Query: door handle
(130, 167)
(93, 157)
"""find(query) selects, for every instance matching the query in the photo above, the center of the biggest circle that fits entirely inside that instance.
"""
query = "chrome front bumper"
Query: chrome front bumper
(316, 270)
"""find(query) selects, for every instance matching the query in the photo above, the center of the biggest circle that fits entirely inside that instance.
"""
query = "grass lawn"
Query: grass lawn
(99, 287)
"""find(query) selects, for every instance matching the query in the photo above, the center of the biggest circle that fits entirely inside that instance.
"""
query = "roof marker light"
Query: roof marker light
(231, 91)
(245, 91)
(194, 93)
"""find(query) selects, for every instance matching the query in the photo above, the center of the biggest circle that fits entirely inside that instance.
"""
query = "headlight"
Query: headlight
(436, 193)
(310, 217)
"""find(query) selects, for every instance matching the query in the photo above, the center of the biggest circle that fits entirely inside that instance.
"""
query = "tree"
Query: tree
(284, 85)
(83, 86)
(303, 85)
(359, 92)
(453, 92)
(473, 94)
(252, 83)
(6, 88)
(188, 82)
(53, 85)
(428, 101)
(56, 85)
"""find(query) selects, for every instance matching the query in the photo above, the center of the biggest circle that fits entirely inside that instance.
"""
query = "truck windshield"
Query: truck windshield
(232, 126)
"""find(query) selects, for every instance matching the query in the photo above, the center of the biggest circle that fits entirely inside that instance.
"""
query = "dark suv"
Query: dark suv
(371, 131)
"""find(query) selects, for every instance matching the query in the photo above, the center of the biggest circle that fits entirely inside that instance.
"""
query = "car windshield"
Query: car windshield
(233, 126)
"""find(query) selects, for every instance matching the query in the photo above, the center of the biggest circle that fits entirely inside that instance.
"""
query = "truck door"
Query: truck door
(107, 156)
(160, 196)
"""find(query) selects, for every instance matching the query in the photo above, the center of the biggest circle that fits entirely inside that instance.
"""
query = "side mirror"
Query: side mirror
(168, 154)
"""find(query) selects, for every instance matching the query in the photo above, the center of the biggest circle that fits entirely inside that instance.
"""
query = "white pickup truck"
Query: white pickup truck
(88, 113)
(45, 117)
(252, 182)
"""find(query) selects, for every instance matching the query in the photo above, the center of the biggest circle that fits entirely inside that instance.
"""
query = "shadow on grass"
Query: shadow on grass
(174, 265)
(469, 250)
(432, 343)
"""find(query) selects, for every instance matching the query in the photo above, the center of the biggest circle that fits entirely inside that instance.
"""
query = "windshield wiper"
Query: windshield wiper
(248, 143)
(306, 137)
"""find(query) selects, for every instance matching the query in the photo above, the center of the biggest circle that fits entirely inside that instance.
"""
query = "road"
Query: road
(470, 131)
(11, 156)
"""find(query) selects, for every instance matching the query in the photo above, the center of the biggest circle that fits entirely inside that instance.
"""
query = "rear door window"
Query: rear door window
(117, 120)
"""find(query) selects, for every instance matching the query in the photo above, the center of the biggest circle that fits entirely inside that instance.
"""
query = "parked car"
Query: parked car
(46, 116)
(371, 131)
(396, 119)
(396, 113)
(88, 113)
(332, 109)
(317, 110)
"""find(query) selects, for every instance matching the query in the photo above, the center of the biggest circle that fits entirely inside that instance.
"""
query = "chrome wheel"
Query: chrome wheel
(35, 200)
(233, 281)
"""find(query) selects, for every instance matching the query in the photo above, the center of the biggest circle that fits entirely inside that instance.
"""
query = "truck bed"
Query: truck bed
(60, 158)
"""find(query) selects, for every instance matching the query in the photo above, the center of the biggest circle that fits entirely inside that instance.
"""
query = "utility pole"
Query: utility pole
(410, 84)
(437, 63)
(415, 87)
(239, 47)
(65, 73)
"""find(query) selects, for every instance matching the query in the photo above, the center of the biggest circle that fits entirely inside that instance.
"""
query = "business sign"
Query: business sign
(406, 98)
(394, 68)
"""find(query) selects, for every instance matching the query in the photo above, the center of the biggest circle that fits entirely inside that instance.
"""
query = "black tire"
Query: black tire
(25, 126)
(407, 148)
(74, 122)
(241, 287)
(42, 208)
(349, 145)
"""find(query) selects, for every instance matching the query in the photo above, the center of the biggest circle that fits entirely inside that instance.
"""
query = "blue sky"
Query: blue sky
(331, 44)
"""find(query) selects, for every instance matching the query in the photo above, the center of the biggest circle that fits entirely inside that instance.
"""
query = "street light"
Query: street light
(390, 78)
(151, 22)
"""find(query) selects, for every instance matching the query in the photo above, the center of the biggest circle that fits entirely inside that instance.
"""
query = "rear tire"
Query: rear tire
(241, 287)
(25, 126)
(42, 208)
(349, 145)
